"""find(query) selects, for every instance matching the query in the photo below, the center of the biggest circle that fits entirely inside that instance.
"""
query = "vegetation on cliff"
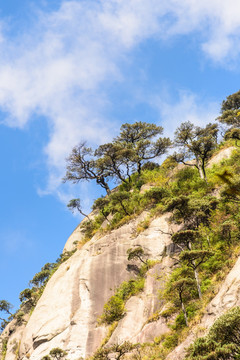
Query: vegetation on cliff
(222, 341)
(203, 200)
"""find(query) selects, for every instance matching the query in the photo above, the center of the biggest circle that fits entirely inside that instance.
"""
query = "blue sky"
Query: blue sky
(77, 70)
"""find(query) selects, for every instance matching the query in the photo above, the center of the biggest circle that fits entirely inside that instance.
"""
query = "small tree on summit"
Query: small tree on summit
(230, 110)
(230, 116)
(196, 142)
(28, 296)
(132, 149)
(138, 139)
(81, 165)
(42, 276)
(118, 160)
(76, 204)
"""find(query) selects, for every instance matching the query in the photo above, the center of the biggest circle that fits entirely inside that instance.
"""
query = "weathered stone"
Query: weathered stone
(78, 234)
(66, 314)
(146, 187)
(134, 327)
(12, 334)
(221, 155)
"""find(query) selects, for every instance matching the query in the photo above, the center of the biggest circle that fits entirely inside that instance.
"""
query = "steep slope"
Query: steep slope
(66, 314)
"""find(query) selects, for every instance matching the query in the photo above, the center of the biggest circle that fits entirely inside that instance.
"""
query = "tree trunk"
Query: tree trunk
(144, 262)
(198, 283)
(184, 313)
(83, 214)
(201, 173)
(200, 169)
(104, 185)
(204, 171)
(124, 209)
(139, 167)
(105, 217)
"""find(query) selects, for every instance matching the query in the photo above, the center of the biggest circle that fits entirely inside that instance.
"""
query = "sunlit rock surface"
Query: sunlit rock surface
(66, 314)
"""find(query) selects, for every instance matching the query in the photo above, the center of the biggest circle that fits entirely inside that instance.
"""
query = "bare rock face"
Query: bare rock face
(66, 314)
(15, 333)
(12, 335)
(221, 155)
(136, 326)
(78, 234)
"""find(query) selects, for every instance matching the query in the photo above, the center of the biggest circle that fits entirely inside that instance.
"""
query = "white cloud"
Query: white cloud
(218, 22)
(61, 67)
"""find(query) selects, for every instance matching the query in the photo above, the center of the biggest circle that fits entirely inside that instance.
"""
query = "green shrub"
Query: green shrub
(113, 310)
(226, 329)
(171, 341)
(57, 353)
(150, 165)
(179, 322)
(88, 227)
(130, 288)
(156, 194)
(222, 341)
(4, 348)
(27, 295)
(205, 285)
(192, 309)
(168, 312)
(19, 316)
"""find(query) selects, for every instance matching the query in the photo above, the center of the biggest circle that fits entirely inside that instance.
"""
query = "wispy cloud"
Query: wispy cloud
(62, 67)
(186, 107)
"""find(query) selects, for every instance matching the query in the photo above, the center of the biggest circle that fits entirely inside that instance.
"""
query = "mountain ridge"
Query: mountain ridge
(74, 297)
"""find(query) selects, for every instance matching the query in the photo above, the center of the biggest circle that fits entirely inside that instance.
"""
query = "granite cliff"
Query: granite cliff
(67, 314)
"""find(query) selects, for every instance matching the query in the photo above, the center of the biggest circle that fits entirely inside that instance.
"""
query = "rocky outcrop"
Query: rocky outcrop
(78, 234)
(66, 314)
(10, 339)
(136, 326)
(221, 155)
